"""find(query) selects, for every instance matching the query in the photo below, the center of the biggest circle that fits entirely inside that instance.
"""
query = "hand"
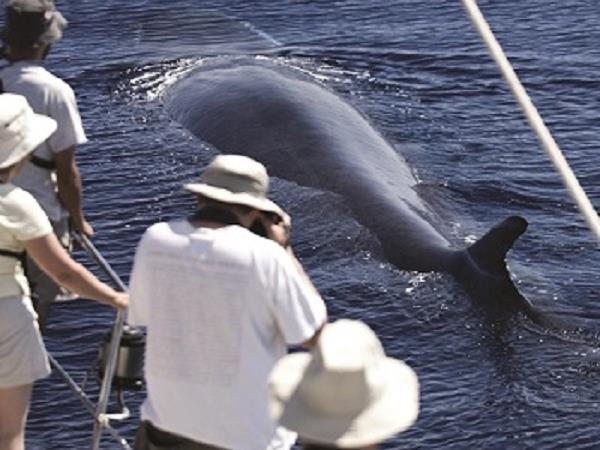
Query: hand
(82, 226)
(120, 300)
(279, 232)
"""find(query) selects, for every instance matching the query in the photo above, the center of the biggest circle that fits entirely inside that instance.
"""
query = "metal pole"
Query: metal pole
(535, 120)
(113, 349)
(89, 405)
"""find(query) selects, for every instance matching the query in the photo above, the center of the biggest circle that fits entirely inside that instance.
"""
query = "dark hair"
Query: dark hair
(31, 24)
(208, 201)
(24, 29)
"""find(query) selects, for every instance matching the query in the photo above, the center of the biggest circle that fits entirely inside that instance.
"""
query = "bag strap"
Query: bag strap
(20, 256)
(42, 163)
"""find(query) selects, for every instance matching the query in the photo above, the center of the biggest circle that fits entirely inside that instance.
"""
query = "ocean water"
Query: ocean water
(418, 70)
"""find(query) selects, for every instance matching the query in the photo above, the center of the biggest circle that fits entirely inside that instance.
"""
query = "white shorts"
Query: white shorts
(23, 357)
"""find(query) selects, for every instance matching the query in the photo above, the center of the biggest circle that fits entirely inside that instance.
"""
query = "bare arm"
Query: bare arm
(310, 343)
(69, 189)
(280, 233)
(56, 262)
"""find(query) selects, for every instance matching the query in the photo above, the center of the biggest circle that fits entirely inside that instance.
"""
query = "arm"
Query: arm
(310, 343)
(304, 308)
(280, 233)
(56, 262)
(69, 189)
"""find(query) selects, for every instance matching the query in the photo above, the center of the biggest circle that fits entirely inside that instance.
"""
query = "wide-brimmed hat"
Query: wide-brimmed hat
(32, 22)
(346, 392)
(21, 130)
(236, 179)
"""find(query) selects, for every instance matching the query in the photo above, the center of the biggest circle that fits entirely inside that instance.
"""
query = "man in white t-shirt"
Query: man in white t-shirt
(51, 175)
(222, 297)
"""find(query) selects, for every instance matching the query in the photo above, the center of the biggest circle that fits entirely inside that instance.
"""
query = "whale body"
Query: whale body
(305, 133)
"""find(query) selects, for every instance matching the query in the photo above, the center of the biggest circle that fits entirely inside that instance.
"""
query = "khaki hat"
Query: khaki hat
(236, 179)
(21, 130)
(32, 22)
(345, 392)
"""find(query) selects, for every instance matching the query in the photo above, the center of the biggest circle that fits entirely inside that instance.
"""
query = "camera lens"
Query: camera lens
(275, 218)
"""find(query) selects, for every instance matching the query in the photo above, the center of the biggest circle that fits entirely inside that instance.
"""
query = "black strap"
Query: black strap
(19, 256)
(42, 163)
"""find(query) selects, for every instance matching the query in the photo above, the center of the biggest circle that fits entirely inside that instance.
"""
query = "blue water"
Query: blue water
(419, 71)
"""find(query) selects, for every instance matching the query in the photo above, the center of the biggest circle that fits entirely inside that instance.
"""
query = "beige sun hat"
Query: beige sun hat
(21, 130)
(236, 179)
(32, 22)
(346, 392)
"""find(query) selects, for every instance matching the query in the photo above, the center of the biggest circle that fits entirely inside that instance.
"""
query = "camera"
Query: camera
(258, 226)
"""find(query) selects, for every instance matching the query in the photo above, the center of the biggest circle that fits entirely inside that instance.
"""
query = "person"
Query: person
(221, 295)
(51, 175)
(346, 393)
(24, 226)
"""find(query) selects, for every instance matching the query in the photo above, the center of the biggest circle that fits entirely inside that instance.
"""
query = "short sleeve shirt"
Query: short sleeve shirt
(220, 306)
(51, 96)
(21, 219)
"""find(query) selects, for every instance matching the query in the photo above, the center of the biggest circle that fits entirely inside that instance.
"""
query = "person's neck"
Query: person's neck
(37, 54)
(217, 217)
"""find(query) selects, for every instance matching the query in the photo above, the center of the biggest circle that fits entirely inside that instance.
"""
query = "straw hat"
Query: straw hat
(21, 130)
(32, 22)
(236, 179)
(346, 392)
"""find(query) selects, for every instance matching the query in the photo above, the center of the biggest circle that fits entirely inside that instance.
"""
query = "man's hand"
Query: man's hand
(69, 190)
(82, 226)
(278, 231)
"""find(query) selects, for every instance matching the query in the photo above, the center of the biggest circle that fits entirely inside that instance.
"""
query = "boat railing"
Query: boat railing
(98, 410)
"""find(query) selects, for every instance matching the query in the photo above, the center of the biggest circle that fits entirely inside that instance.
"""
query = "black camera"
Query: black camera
(258, 226)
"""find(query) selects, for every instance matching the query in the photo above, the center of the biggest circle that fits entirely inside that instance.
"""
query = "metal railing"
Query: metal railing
(99, 410)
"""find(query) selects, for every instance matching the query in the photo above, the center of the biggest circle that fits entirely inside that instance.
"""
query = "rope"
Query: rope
(535, 121)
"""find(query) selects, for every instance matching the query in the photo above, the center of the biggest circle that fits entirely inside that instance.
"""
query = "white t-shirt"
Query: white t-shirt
(51, 96)
(21, 219)
(220, 306)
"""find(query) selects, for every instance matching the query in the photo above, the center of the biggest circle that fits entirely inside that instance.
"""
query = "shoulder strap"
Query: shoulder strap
(10, 254)
(42, 163)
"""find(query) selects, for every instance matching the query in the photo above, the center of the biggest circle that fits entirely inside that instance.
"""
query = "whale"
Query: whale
(306, 133)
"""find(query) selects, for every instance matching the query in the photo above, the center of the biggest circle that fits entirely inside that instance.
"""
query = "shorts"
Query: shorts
(148, 437)
(43, 288)
(23, 357)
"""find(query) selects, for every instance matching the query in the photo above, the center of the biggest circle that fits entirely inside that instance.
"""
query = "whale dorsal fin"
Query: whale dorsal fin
(490, 250)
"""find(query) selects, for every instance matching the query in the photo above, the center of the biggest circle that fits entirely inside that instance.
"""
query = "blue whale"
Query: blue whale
(305, 133)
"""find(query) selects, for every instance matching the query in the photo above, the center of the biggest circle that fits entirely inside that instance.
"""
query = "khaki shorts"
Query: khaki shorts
(148, 437)
(23, 357)
(43, 288)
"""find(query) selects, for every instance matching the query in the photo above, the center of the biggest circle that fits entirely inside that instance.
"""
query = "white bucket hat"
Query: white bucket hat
(236, 179)
(21, 130)
(345, 392)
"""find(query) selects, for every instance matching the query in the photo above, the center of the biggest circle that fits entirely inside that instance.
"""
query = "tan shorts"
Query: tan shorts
(23, 357)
